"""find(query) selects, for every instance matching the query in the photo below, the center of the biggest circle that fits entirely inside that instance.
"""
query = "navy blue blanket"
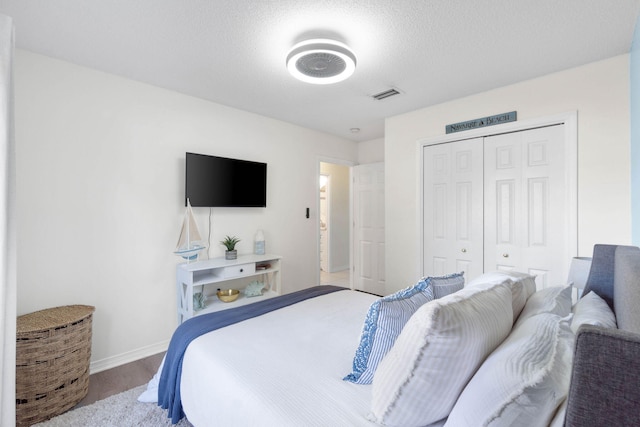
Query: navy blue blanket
(169, 386)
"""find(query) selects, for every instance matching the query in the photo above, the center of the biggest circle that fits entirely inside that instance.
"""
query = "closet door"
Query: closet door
(452, 213)
(526, 200)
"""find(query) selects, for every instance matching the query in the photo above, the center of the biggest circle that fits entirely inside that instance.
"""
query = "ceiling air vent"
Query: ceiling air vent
(386, 94)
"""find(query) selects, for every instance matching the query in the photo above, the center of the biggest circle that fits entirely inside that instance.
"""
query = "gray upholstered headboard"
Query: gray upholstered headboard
(604, 387)
(626, 288)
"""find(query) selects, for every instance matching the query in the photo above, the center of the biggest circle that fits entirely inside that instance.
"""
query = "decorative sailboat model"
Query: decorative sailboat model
(190, 242)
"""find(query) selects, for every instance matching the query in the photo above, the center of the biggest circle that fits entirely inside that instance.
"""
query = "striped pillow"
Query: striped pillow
(443, 286)
(384, 322)
(522, 286)
(438, 351)
(523, 381)
(555, 300)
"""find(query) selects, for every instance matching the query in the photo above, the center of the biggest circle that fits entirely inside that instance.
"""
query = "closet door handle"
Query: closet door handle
(464, 250)
(505, 255)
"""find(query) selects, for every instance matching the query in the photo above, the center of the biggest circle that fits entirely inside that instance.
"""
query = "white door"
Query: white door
(453, 208)
(368, 214)
(325, 192)
(526, 200)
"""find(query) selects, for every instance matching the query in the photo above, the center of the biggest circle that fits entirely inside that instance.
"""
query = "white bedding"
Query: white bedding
(284, 368)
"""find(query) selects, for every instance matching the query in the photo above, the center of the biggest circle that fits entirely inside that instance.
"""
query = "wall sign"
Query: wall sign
(483, 122)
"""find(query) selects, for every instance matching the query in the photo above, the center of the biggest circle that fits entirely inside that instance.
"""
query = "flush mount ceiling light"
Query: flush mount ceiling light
(321, 61)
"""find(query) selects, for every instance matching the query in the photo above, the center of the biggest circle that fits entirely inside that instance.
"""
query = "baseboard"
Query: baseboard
(130, 356)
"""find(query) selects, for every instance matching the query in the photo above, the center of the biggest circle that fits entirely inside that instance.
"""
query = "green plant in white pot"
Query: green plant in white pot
(230, 243)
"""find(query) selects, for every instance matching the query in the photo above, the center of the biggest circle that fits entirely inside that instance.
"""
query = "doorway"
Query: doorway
(334, 213)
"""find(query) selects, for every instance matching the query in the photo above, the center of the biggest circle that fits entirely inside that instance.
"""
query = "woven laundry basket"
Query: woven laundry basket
(53, 350)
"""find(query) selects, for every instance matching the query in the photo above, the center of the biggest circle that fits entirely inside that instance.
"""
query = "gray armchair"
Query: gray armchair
(605, 381)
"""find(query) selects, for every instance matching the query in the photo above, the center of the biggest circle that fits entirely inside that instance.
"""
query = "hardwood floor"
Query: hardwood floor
(341, 278)
(121, 378)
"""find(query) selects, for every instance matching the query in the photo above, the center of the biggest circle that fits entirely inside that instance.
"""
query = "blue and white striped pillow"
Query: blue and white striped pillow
(443, 286)
(385, 320)
(436, 354)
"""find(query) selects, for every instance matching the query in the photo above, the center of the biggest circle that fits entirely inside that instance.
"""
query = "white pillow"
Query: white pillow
(591, 309)
(554, 300)
(487, 279)
(524, 381)
(561, 413)
(528, 282)
(522, 286)
(436, 354)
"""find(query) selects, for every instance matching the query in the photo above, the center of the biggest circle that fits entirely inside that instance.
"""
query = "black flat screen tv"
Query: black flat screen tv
(222, 182)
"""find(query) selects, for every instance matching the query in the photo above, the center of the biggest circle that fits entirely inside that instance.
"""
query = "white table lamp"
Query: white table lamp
(579, 273)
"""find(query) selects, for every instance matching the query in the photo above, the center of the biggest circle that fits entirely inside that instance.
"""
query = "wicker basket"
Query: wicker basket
(53, 349)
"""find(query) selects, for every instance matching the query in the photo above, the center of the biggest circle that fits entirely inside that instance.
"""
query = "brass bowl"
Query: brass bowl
(228, 295)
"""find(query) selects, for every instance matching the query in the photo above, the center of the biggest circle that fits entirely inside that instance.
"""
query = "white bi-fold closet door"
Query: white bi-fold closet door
(452, 209)
(499, 202)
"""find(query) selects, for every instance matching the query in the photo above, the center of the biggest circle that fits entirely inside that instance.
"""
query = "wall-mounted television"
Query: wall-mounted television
(213, 181)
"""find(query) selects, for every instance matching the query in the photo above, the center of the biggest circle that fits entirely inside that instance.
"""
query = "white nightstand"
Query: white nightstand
(219, 270)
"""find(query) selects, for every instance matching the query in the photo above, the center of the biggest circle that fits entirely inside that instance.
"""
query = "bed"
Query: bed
(492, 352)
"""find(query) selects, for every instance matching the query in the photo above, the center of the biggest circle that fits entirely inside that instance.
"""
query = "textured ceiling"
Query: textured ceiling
(233, 51)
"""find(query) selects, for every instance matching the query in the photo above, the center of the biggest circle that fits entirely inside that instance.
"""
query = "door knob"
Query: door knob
(464, 250)
(505, 255)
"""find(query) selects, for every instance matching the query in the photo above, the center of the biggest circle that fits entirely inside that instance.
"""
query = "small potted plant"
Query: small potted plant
(230, 243)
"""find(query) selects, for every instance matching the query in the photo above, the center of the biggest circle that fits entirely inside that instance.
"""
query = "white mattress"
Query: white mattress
(284, 368)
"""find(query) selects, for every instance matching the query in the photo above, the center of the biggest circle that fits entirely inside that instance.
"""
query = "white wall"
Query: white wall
(371, 151)
(100, 163)
(599, 92)
(634, 73)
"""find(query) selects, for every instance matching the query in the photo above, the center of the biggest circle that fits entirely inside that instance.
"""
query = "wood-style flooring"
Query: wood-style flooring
(121, 378)
(340, 278)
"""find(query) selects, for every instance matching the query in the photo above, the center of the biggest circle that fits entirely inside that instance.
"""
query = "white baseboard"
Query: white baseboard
(130, 356)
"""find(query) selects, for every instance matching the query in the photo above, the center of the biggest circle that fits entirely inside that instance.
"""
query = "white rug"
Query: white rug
(120, 410)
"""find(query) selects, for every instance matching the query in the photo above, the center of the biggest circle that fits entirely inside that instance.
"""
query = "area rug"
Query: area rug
(120, 410)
